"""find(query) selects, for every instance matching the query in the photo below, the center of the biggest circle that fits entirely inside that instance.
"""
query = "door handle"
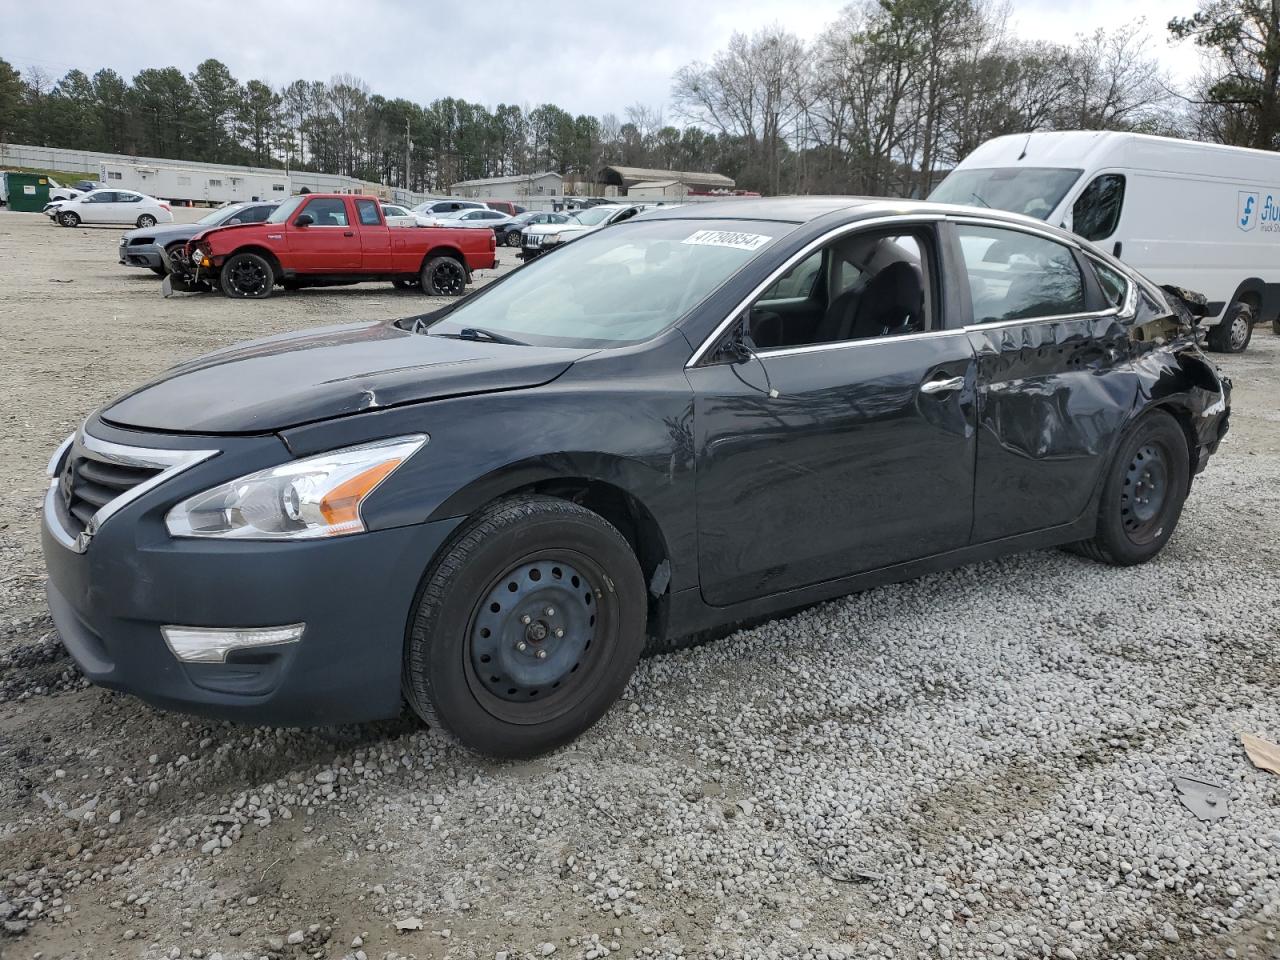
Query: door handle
(942, 386)
(348, 233)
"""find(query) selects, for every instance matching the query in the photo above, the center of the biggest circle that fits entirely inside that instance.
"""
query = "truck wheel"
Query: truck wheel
(146, 220)
(1142, 499)
(444, 277)
(527, 627)
(1234, 331)
(247, 276)
(69, 219)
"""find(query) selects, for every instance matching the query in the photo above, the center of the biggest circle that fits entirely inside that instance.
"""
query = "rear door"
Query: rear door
(328, 244)
(127, 208)
(1053, 378)
(847, 444)
(375, 237)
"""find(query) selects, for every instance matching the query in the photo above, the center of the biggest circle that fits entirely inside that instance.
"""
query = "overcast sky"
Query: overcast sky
(587, 57)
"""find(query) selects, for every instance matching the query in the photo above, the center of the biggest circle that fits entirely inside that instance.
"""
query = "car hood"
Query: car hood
(546, 228)
(330, 372)
(165, 233)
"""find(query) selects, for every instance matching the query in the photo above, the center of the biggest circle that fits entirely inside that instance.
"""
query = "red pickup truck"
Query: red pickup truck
(330, 239)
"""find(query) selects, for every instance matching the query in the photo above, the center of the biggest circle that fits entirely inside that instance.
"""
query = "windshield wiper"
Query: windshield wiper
(980, 200)
(477, 333)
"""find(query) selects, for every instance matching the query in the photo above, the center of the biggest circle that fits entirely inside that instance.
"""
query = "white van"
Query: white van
(1197, 215)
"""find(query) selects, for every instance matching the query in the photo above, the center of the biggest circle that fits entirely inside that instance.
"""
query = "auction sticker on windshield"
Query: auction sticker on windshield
(728, 238)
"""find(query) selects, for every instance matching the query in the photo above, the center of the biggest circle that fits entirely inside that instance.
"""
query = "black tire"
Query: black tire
(146, 220)
(166, 257)
(1152, 463)
(485, 662)
(444, 277)
(69, 218)
(1233, 333)
(513, 238)
(247, 276)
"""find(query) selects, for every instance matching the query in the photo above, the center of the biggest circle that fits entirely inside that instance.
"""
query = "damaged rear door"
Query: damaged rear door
(1054, 379)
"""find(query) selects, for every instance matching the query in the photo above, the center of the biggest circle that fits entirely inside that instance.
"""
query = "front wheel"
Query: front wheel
(69, 218)
(146, 220)
(1146, 486)
(527, 627)
(444, 277)
(1234, 331)
(513, 239)
(247, 276)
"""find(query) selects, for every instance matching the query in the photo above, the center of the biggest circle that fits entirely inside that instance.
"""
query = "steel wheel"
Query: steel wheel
(1239, 334)
(1145, 493)
(531, 633)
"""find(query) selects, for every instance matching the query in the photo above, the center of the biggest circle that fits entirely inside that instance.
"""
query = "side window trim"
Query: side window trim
(706, 352)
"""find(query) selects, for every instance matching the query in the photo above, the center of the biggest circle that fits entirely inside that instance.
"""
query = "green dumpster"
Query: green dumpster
(28, 192)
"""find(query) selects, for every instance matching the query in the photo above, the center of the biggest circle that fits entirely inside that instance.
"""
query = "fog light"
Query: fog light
(212, 644)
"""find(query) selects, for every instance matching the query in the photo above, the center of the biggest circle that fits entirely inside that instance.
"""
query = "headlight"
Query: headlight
(316, 497)
(550, 239)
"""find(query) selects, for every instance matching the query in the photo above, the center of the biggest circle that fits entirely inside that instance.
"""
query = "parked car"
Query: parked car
(432, 208)
(153, 247)
(472, 220)
(1200, 215)
(398, 216)
(701, 416)
(504, 206)
(537, 239)
(323, 239)
(509, 232)
(58, 192)
(111, 206)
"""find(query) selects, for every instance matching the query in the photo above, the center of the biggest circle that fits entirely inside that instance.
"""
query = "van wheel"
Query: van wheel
(527, 627)
(444, 277)
(247, 276)
(1233, 333)
(1146, 485)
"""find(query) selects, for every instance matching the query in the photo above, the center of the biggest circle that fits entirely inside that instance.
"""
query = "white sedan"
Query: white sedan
(111, 206)
(398, 216)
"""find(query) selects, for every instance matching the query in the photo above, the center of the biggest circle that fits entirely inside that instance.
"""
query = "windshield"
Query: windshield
(615, 286)
(286, 209)
(1034, 191)
(214, 216)
(592, 216)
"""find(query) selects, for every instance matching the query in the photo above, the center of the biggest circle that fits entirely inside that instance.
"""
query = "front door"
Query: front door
(1054, 377)
(328, 244)
(839, 437)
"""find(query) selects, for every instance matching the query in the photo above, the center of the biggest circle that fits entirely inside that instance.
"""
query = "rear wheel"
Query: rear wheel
(527, 627)
(247, 276)
(1234, 331)
(444, 277)
(146, 220)
(69, 218)
(1146, 486)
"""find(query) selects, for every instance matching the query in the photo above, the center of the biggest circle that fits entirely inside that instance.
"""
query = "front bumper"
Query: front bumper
(355, 594)
(141, 255)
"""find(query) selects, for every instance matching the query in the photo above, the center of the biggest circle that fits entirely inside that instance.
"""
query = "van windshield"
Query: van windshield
(1033, 191)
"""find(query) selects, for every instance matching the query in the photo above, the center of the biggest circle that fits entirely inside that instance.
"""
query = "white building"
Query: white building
(527, 187)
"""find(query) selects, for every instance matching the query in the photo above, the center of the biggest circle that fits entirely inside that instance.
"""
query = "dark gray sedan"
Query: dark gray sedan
(150, 246)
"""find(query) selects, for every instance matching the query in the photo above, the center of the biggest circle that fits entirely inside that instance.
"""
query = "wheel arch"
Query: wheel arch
(1255, 292)
(445, 250)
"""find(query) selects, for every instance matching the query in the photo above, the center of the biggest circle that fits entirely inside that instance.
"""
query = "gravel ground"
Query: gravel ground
(973, 764)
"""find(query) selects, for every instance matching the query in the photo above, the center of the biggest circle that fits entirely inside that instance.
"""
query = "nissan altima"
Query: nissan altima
(698, 417)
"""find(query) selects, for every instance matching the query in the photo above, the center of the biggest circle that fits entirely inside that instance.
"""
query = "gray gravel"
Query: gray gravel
(974, 764)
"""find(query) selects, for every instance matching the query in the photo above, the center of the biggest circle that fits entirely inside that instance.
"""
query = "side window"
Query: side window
(368, 212)
(127, 198)
(861, 286)
(327, 212)
(1097, 210)
(1019, 276)
(1112, 282)
(106, 196)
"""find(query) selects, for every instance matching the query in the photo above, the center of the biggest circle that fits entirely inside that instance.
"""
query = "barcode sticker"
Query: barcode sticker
(728, 238)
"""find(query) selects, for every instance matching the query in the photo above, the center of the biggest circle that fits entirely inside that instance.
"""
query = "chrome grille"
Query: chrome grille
(533, 240)
(87, 485)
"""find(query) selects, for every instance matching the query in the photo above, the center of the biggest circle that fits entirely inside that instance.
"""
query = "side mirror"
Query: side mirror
(304, 220)
(234, 220)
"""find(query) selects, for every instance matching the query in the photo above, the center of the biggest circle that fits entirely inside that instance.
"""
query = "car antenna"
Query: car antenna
(1024, 147)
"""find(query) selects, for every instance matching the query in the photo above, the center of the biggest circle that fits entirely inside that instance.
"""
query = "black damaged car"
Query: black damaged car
(705, 415)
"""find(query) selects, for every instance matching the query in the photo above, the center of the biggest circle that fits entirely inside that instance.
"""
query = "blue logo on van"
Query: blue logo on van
(1247, 210)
